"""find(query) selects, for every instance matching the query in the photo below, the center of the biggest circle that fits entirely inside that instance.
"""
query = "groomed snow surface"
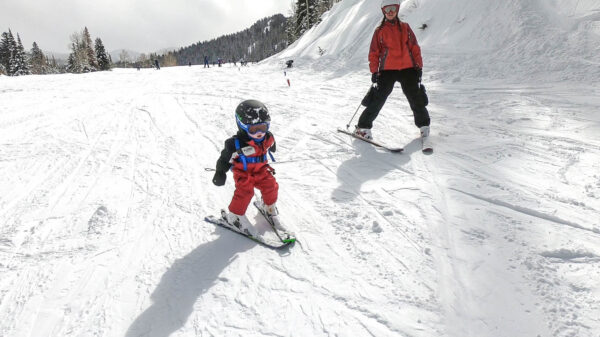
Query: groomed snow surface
(104, 190)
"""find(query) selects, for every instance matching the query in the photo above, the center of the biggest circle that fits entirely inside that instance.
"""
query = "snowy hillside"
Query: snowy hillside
(104, 189)
(516, 39)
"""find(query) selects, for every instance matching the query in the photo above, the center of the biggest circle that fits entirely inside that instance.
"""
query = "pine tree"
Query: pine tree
(20, 66)
(37, 61)
(89, 50)
(72, 64)
(8, 48)
(305, 16)
(4, 54)
(290, 29)
(101, 57)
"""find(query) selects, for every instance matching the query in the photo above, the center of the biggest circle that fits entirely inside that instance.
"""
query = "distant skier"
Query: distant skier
(246, 154)
(395, 56)
(156, 64)
(206, 64)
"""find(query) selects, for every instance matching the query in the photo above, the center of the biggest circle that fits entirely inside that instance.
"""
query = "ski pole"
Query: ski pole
(349, 122)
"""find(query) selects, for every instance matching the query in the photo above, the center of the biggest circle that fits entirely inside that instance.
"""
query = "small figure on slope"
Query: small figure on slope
(246, 154)
(394, 56)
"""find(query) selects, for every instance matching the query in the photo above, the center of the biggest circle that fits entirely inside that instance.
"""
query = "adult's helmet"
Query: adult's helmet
(390, 2)
(390, 6)
(251, 115)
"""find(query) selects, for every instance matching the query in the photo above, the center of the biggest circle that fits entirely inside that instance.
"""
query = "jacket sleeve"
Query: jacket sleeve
(273, 146)
(374, 53)
(228, 153)
(414, 48)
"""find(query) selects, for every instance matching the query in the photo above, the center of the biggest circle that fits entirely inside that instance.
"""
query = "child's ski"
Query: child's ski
(372, 142)
(267, 242)
(284, 235)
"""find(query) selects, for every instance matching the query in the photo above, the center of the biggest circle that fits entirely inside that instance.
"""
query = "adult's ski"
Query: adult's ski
(273, 242)
(372, 142)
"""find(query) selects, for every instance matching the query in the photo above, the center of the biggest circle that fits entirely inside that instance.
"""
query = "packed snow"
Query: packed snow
(105, 182)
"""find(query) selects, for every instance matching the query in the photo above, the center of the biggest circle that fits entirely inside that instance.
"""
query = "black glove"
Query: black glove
(219, 178)
(419, 73)
(374, 77)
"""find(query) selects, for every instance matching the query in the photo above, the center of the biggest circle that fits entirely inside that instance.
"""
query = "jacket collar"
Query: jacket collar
(393, 22)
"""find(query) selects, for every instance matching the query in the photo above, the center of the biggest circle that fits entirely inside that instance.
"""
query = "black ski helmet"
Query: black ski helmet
(251, 112)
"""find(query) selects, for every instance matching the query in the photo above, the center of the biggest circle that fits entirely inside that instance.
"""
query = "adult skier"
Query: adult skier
(394, 56)
(246, 154)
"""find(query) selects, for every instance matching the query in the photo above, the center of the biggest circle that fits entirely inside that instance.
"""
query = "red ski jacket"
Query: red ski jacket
(394, 47)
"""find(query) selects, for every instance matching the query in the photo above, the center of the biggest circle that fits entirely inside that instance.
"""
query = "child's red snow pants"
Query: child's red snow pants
(246, 181)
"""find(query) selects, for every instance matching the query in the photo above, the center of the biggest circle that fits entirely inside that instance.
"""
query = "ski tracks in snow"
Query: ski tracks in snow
(517, 211)
(102, 230)
(86, 187)
(364, 207)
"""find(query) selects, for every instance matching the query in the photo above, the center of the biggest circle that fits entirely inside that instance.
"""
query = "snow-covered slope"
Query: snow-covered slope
(103, 191)
(555, 40)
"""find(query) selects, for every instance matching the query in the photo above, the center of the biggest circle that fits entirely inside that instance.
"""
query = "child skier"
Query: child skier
(246, 154)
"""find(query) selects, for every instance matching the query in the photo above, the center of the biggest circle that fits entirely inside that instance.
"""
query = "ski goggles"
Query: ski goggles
(389, 9)
(256, 129)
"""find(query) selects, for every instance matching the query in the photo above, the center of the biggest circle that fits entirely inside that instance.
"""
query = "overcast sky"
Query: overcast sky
(138, 25)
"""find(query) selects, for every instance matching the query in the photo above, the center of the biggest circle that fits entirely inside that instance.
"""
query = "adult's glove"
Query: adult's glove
(374, 77)
(219, 178)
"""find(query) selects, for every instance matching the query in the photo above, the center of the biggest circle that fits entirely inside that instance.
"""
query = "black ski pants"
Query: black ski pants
(409, 81)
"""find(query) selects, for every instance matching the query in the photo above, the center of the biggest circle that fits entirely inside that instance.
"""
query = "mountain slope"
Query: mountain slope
(264, 38)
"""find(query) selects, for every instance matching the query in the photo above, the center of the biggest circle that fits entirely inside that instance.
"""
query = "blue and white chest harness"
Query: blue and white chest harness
(245, 160)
